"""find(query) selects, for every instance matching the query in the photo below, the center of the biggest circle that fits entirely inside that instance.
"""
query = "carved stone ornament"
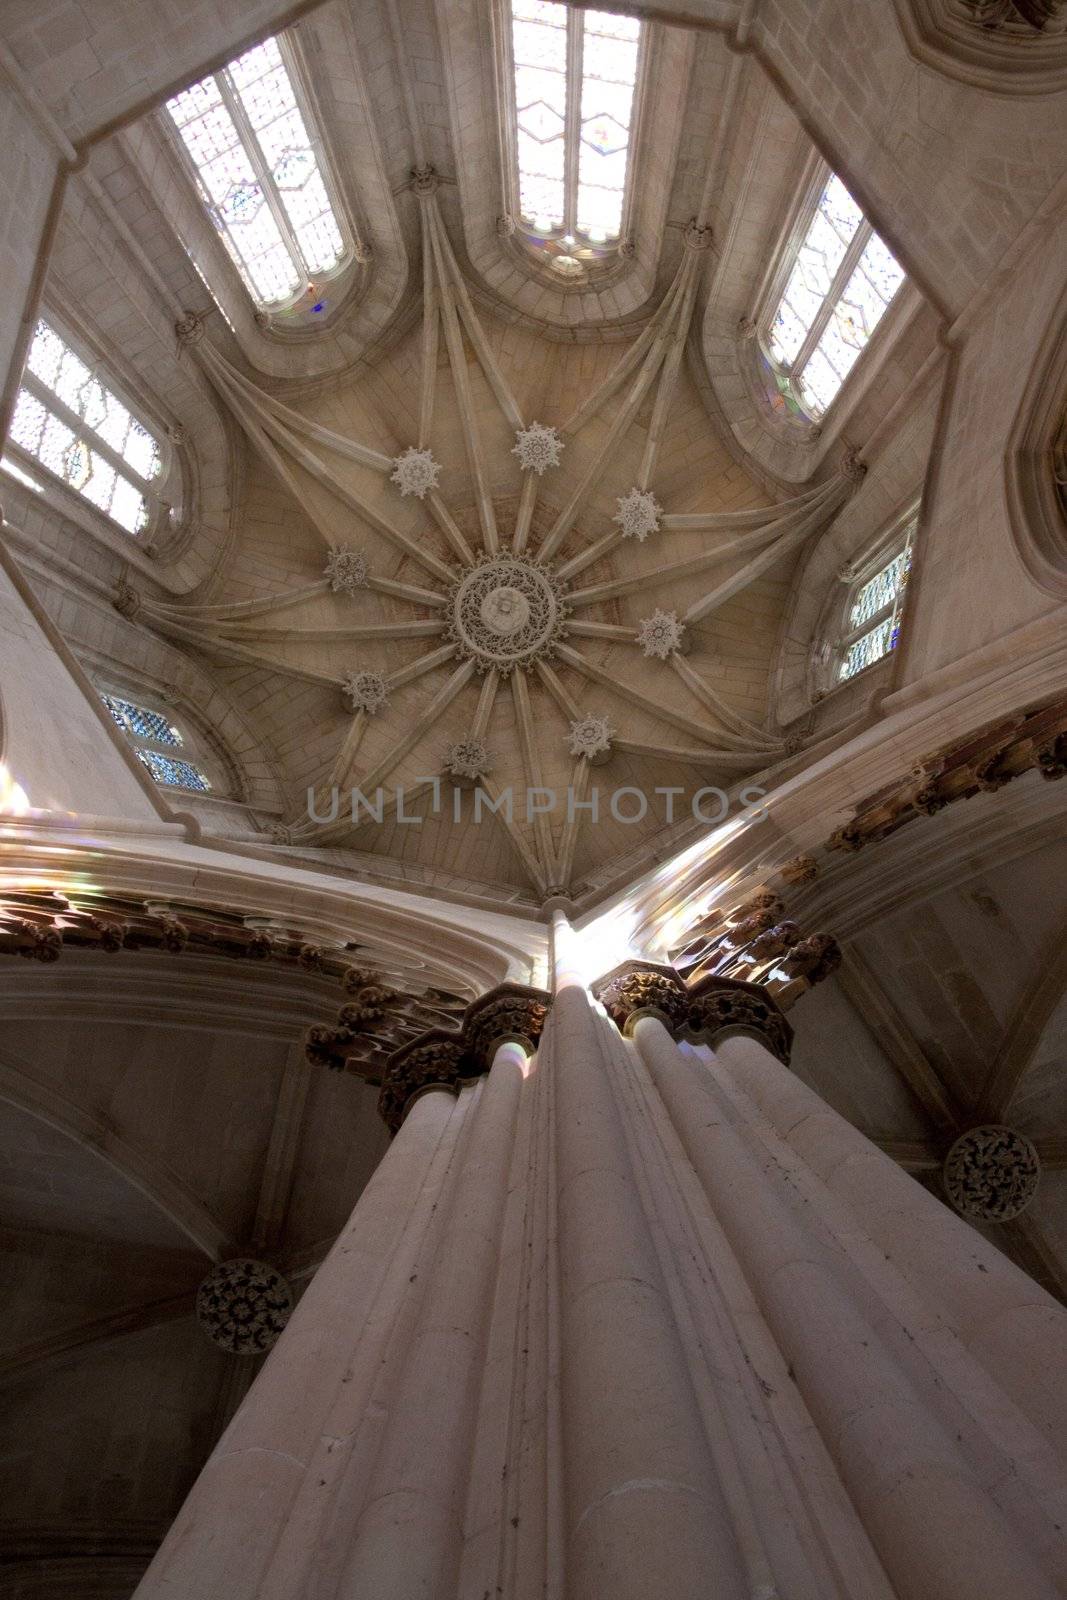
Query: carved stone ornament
(661, 634)
(991, 1173)
(986, 760)
(696, 236)
(127, 601)
(719, 1004)
(638, 514)
(365, 691)
(243, 1306)
(424, 180)
(643, 988)
(468, 760)
(415, 472)
(189, 327)
(510, 1011)
(506, 611)
(591, 737)
(346, 569)
(801, 869)
(436, 1059)
(537, 448)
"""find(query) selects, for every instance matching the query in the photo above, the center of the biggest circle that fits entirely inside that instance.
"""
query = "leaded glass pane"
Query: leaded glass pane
(881, 590)
(141, 721)
(814, 300)
(240, 155)
(868, 649)
(539, 44)
(586, 195)
(84, 392)
(180, 774)
(609, 71)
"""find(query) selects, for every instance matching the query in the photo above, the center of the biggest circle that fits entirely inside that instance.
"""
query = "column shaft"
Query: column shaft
(645, 1514)
(881, 1422)
(408, 1537)
(1013, 1328)
(255, 1499)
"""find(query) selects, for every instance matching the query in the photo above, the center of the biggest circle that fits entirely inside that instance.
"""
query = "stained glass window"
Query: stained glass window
(155, 739)
(69, 419)
(841, 283)
(165, 769)
(874, 613)
(575, 74)
(259, 171)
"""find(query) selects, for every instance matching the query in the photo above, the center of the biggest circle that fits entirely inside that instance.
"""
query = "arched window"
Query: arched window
(158, 744)
(840, 283)
(870, 625)
(574, 79)
(70, 421)
(258, 166)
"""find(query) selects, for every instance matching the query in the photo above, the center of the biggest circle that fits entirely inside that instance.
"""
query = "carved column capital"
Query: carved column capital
(643, 989)
(511, 1011)
(435, 1060)
(729, 1005)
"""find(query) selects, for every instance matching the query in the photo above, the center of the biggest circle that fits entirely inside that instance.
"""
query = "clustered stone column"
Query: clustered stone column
(628, 1311)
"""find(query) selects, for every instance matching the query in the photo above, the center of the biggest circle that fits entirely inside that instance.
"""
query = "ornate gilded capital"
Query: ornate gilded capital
(643, 989)
(435, 1060)
(510, 1011)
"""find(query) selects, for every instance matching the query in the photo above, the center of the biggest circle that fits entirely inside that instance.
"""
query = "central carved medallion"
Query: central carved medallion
(507, 611)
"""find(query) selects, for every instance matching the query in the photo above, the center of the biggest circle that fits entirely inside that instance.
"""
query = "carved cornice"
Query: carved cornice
(1035, 739)
(375, 1019)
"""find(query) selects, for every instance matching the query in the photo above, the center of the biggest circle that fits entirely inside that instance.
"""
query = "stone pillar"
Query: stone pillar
(906, 1427)
(254, 1511)
(634, 1315)
(1006, 1320)
(645, 1513)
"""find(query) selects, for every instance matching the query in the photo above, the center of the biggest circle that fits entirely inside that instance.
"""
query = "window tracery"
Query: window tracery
(257, 162)
(70, 421)
(873, 611)
(158, 744)
(840, 282)
(574, 77)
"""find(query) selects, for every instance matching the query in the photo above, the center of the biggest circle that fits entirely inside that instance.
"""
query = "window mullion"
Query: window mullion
(81, 428)
(833, 295)
(247, 135)
(573, 119)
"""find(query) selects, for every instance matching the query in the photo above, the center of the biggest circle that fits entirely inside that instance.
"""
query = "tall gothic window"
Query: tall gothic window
(575, 74)
(873, 612)
(840, 284)
(259, 169)
(157, 743)
(69, 420)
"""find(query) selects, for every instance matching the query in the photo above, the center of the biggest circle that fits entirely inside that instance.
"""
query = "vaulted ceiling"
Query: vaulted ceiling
(451, 337)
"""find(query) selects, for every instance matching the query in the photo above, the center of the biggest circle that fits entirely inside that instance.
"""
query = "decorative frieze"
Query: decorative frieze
(991, 1173)
(243, 1305)
(1033, 740)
